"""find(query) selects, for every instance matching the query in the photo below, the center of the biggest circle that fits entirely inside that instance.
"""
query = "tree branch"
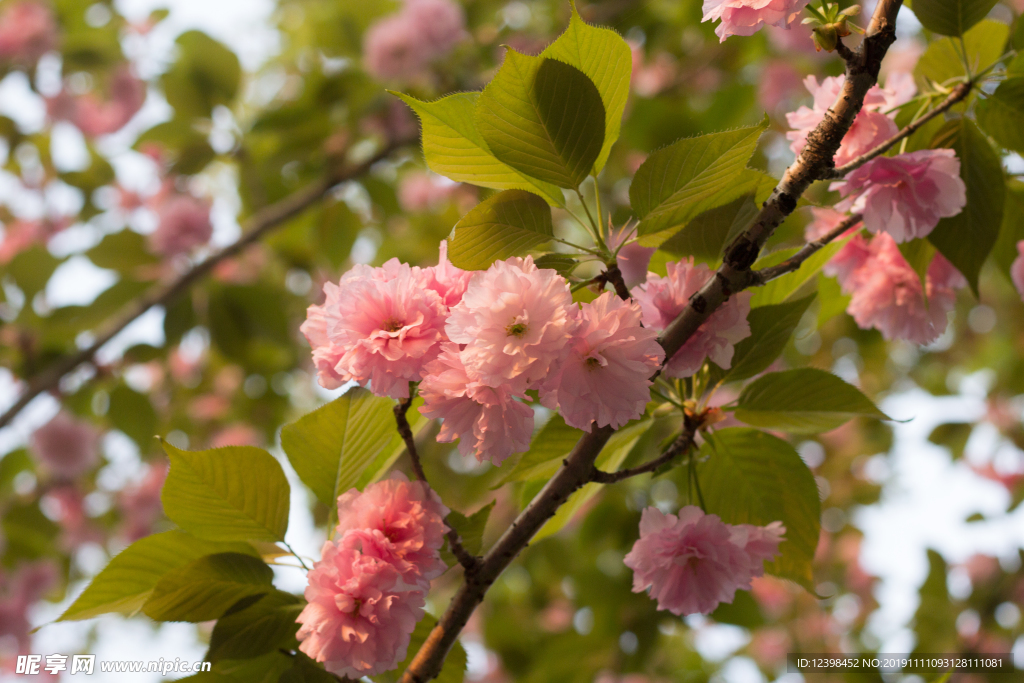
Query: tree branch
(258, 226)
(956, 95)
(468, 561)
(814, 163)
(760, 277)
(612, 274)
(680, 445)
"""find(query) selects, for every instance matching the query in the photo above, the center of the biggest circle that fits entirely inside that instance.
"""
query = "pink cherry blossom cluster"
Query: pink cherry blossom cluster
(66, 446)
(1017, 269)
(886, 291)
(366, 593)
(478, 342)
(94, 116)
(402, 45)
(873, 125)
(746, 17)
(28, 30)
(19, 590)
(691, 562)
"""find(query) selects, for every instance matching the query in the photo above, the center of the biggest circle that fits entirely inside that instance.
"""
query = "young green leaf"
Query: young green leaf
(508, 224)
(237, 493)
(605, 58)
(205, 588)
(331, 447)
(1001, 114)
(942, 62)
(967, 238)
(951, 17)
(471, 529)
(805, 400)
(454, 148)
(543, 118)
(770, 329)
(128, 580)
(750, 477)
(679, 182)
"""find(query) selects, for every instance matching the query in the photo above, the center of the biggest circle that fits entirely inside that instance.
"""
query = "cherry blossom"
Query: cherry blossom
(27, 31)
(184, 225)
(67, 446)
(94, 116)
(746, 17)
(1017, 269)
(401, 45)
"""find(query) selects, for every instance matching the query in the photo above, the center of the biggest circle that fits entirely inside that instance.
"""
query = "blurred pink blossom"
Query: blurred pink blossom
(604, 378)
(140, 503)
(905, 195)
(67, 446)
(20, 235)
(693, 561)
(28, 30)
(745, 17)
(1017, 269)
(662, 299)
(780, 82)
(237, 434)
(400, 46)
(651, 77)
(419, 191)
(184, 225)
(19, 591)
(796, 38)
(769, 646)
(95, 117)
(76, 529)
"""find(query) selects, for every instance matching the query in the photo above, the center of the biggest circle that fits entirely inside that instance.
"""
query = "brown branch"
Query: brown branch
(612, 274)
(759, 277)
(814, 163)
(258, 226)
(467, 559)
(679, 446)
(956, 95)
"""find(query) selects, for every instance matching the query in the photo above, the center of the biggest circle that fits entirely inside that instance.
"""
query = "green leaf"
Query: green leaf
(543, 118)
(952, 435)
(919, 254)
(705, 236)
(454, 148)
(133, 414)
(129, 578)
(205, 588)
(967, 238)
(549, 445)
(305, 670)
(454, 669)
(951, 17)
(471, 529)
(561, 263)
(1001, 114)
(1012, 230)
(750, 477)
(124, 251)
(934, 621)
(332, 446)
(615, 452)
(805, 400)
(770, 329)
(206, 74)
(256, 629)
(942, 62)
(679, 182)
(606, 59)
(236, 493)
(784, 288)
(31, 269)
(508, 224)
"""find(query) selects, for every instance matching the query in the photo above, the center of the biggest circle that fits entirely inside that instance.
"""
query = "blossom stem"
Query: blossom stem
(760, 277)
(696, 485)
(590, 217)
(297, 557)
(467, 559)
(958, 93)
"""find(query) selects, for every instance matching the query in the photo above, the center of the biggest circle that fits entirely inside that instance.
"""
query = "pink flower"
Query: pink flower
(20, 235)
(887, 294)
(29, 583)
(94, 116)
(906, 195)
(487, 421)
(419, 191)
(693, 562)
(393, 49)
(448, 281)
(632, 258)
(67, 446)
(515, 321)
(824, 220)
(662, 299)
(779, 83)
(1017, 269)
(402, 521)
(604, 379)
(140, 503)
(68, 505)
(27, 32)
(184, 225)
(441, 24)
(745, 17)
(872, 125)
(650, 78)
(358, 621)
(379, 326)
(237, 434)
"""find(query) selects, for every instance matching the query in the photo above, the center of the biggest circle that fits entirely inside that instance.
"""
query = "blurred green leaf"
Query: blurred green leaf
(122, 251)
(133, 414)
(942, 63)
(1005, 252)
(205, 74)
(205, 588)
(508, 224)
(126, 583)
(31, 269)
(952, 435)
(453, 147)
(544, 118)
(605, 58)
(236, 493)
(967, 238)
(750, 477)
(935, 620)
(771, 327)
(805, 400)
(951, 17)
(305, 670)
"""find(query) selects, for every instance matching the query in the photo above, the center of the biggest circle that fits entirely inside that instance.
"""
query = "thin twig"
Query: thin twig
(760, 277)
(956, 95)
(258, 226)
(468, 561)
(679, 446)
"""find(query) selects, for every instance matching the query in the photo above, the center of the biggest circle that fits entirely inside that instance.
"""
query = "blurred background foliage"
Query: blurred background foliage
(225, 363)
